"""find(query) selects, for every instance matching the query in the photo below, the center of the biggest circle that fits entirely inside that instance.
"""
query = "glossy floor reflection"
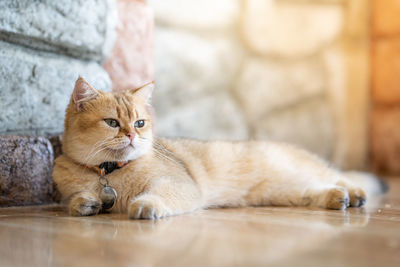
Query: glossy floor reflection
(47, 236)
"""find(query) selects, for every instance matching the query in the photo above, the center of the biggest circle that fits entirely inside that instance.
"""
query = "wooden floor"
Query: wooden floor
(47, 236)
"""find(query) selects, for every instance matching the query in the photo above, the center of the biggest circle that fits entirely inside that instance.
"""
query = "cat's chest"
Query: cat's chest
(127, 181)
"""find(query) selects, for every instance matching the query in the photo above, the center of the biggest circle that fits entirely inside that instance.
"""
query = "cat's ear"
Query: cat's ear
(83, 92)
(144, 92)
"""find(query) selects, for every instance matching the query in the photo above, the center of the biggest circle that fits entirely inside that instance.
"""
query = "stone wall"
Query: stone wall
(287, 70)
(385, 57)
(44, 46)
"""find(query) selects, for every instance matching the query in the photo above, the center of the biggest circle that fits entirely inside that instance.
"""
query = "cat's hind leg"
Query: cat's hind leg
(357, 195)
(295, 177)
(299, 193)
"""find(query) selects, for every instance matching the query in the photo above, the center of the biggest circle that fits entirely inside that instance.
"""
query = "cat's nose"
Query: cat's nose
(130, 136)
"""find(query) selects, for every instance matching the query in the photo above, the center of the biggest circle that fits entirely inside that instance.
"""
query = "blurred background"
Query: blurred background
(322, 74)
(293, 71)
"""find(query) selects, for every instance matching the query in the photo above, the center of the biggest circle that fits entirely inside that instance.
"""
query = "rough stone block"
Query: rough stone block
(35, 88)
(25, 170)
(308, 124)
(385, 17)
(288, 29)
(188, 66)
(131, 63)
(385, 134)
(386, 71)
(81, 28)
(194, 14)
(194, 76)
(266, 85)
(212, 117)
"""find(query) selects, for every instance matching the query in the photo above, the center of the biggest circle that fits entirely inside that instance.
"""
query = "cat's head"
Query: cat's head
(102, 126)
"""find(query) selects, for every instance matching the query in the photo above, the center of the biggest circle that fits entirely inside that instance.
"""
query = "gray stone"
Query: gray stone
(188, 66)
(36, 87)
(25, 170)
(194, 75)
(81, 28)
(308, 124)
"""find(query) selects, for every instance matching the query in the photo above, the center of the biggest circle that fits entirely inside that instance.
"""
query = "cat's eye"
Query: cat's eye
(112, 123)
(139, 123)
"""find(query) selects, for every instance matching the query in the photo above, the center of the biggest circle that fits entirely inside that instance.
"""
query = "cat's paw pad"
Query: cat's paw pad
(147, 208)
(357, 197)
(337, 198)
(84, 206)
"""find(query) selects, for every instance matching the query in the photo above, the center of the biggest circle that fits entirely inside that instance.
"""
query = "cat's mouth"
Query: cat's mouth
(120, 153)
(122, 148)
(121, 145)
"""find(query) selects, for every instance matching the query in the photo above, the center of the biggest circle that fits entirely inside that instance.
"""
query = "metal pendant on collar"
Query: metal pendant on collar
(108, 195)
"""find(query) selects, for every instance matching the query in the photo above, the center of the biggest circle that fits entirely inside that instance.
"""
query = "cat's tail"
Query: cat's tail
(373, 185)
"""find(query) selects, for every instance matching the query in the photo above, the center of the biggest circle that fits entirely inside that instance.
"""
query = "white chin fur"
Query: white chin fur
(141, 147)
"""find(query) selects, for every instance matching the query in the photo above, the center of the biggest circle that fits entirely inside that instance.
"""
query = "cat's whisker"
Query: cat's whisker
(95, 154)
(110, 155)
(90, 157)
(164, 156)
(159, 153)
(92, 153)
(97, 148)
(99, 144)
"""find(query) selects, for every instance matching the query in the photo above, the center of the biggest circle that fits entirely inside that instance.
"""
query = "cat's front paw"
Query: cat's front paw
(147, 207)
(84, 205)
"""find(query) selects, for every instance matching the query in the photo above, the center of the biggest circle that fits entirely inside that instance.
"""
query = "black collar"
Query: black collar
(107, 167)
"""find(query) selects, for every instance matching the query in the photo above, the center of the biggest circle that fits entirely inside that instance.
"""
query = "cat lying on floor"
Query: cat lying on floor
(112, 162)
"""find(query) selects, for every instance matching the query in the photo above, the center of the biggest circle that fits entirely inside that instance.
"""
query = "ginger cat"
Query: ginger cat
(163, 177)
